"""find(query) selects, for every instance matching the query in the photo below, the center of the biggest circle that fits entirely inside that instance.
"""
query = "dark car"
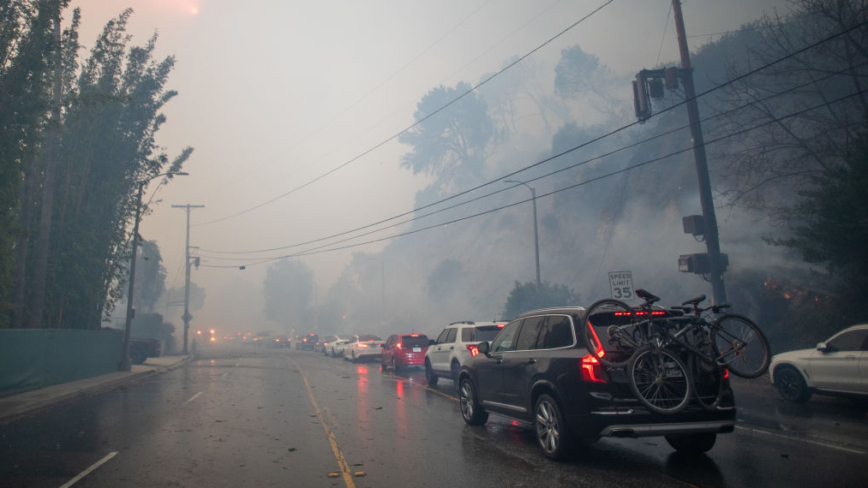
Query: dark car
(404, 350)
(306, 342)
(281, 342)
(538, 370)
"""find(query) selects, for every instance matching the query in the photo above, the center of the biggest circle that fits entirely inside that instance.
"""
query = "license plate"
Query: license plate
(417, 349)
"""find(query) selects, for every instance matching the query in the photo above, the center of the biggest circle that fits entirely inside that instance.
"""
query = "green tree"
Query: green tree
(288, 293)
(528, 296)
(831, 222)
(27, 48)
(113, 111)
(453, 144)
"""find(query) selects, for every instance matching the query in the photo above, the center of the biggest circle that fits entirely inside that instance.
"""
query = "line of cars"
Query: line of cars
(537, 370)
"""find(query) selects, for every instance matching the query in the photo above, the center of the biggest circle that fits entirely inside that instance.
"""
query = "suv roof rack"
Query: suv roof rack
(469, 322)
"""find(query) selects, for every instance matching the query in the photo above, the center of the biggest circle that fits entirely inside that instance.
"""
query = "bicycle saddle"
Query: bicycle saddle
(695, 301)
(648, 297)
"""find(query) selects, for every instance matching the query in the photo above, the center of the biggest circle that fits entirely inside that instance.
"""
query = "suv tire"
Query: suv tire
(692, 444)
(791, 385)
(429, 374)
(471, 410)
(550, 429)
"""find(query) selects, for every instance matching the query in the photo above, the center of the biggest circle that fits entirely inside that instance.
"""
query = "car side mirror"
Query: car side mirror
(431, 342)
(484, 348)
(823, 347)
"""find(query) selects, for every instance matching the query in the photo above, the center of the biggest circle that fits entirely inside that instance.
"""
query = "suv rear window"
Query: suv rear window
(483, 333)
(418, 341)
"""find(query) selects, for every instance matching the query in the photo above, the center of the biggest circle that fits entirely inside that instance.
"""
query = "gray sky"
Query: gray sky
(274, 93)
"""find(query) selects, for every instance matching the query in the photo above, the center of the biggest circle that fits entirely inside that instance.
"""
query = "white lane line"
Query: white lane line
(224, 375)
(89, 470)
(192, 398)
(807, 441)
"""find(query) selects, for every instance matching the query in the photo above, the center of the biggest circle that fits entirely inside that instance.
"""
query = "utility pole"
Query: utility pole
(187, 263)
(712, 241)
(649, 85)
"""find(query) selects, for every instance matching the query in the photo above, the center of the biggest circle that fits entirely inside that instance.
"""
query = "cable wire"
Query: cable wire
(326, 247)
(545, 160)
(415, 124)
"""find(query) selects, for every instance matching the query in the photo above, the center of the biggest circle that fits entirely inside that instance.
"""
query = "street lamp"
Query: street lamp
(535, 230)
(125, 359)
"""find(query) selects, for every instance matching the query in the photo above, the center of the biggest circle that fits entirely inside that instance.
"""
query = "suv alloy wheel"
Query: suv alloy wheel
(471, 410)
(551, 430)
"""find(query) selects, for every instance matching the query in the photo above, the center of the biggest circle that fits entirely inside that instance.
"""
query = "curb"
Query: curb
(37, 408)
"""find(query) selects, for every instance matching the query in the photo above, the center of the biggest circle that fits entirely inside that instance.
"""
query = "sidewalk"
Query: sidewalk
(28, 403)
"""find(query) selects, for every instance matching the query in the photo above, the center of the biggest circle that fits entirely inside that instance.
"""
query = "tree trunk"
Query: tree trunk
(37, 301)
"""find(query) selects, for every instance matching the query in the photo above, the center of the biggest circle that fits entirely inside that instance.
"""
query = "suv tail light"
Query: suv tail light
(363, 345)
(591, 369)
(473, 348)
(398, 345)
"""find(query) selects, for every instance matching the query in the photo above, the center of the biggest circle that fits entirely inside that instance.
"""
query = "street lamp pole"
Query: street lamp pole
(535, 228)
(125, 359)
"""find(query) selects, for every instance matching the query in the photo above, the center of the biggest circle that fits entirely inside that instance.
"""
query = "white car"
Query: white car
(336, 349)
(366, 346)
(327, 342)
(454, 347)
(838, 366)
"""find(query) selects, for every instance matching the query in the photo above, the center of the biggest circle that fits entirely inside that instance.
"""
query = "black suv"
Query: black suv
(538, 370)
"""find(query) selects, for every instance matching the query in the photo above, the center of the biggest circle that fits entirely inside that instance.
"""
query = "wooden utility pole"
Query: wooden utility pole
(712, 241)
(187, 317)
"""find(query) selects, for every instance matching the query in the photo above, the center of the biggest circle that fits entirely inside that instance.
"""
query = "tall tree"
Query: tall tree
(453, 144)
(108, 147)
(766, 168)
(26, 58)
(831, 223)
(529, 296)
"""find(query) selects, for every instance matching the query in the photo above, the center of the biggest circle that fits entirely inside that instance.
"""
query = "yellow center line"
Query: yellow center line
(441, 393)
(339, 456)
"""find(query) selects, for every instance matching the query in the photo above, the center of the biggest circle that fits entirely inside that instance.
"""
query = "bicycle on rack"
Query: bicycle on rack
(674, 354)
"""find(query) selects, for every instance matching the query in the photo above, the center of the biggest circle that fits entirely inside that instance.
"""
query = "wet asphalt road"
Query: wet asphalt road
(260, 418)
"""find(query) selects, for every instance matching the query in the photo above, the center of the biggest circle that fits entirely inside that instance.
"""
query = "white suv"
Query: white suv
(454, 347)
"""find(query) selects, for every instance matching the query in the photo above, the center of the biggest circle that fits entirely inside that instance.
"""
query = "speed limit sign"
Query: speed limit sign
(621, 283)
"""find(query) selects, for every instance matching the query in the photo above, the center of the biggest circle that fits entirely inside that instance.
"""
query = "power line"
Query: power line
(663, 37)
(370, 92)
(543, 161)
(322, 249)
(418, 122)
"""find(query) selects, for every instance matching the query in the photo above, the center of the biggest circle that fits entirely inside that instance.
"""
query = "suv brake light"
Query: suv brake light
(473, 348)
(591, 369)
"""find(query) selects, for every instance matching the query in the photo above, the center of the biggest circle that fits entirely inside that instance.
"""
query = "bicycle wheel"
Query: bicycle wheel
(707, 382)
(600, 319)
(740, 346)
(660, 380)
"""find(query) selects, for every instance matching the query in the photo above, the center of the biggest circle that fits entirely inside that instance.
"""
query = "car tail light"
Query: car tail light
(474, 349)
(398, 345)
(591, 369)
(363, 345)
(725, 373)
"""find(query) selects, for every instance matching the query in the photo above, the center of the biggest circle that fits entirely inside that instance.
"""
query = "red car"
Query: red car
(404, 350)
